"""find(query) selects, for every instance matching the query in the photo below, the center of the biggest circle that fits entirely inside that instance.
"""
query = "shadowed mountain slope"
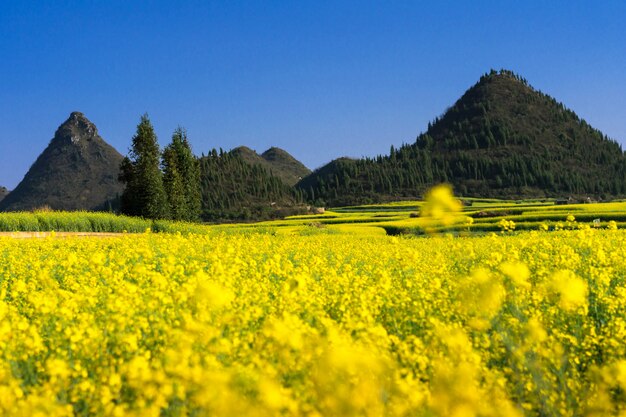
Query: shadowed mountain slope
(78, 170)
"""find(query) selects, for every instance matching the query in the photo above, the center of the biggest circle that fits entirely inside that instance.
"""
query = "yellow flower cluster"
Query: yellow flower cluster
(441, 208)
(322, 325)
(506, 225)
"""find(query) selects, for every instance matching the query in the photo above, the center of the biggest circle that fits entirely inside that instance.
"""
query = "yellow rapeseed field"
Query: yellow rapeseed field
(318, 325)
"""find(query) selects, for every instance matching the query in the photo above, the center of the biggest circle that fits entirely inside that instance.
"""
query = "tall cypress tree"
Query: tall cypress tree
(188, 168)
(173, 185)
(144, 194)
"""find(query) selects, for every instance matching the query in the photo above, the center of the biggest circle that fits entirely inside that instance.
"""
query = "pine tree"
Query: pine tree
(173, 185)
(144, 194)
(188, 169)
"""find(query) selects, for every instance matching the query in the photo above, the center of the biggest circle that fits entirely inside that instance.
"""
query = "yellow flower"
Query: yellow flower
(440, 207)
(571, 289)
(535, 331)
(518, 272)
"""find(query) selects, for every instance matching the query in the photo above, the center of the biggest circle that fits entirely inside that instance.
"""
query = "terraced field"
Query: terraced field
(474, 216)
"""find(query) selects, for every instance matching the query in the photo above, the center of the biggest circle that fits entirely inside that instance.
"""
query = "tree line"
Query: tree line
(221, 186)
(160, 184)
(233, 189)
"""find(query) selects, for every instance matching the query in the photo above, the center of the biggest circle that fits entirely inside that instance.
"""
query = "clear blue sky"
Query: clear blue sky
(321, 79)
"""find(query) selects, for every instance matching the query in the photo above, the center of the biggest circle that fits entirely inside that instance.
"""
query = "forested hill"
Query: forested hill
(3, 192)
(234, 188)
(502, 138)
(277, 161)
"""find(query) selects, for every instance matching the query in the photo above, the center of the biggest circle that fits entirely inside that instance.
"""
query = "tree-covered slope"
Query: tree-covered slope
(234, 188)
(285, 166)
(277, 161)
(3, 193)
(502, 138)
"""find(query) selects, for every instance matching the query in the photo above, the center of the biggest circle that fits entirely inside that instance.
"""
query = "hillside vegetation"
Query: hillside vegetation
(277, 162)
(502, 138)
(235, 189)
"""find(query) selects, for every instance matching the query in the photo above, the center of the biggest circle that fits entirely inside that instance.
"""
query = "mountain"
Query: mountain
(3, 193)
(278, 161)
(78, 170)
(285, 166)
(235, 185)
(502, 138)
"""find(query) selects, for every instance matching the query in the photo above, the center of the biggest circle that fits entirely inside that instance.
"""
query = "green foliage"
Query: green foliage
(144, 194)
(77, 221)
(233, 189)
(173, 184)
(92, 222)
(277, 162)
(218, 187)
(182, 178)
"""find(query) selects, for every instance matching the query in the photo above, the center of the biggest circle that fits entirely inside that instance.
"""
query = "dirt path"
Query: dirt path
(26, 235)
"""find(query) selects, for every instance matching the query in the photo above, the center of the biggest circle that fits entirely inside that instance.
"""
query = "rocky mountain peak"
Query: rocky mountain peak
(76, 129)
(78, 170)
